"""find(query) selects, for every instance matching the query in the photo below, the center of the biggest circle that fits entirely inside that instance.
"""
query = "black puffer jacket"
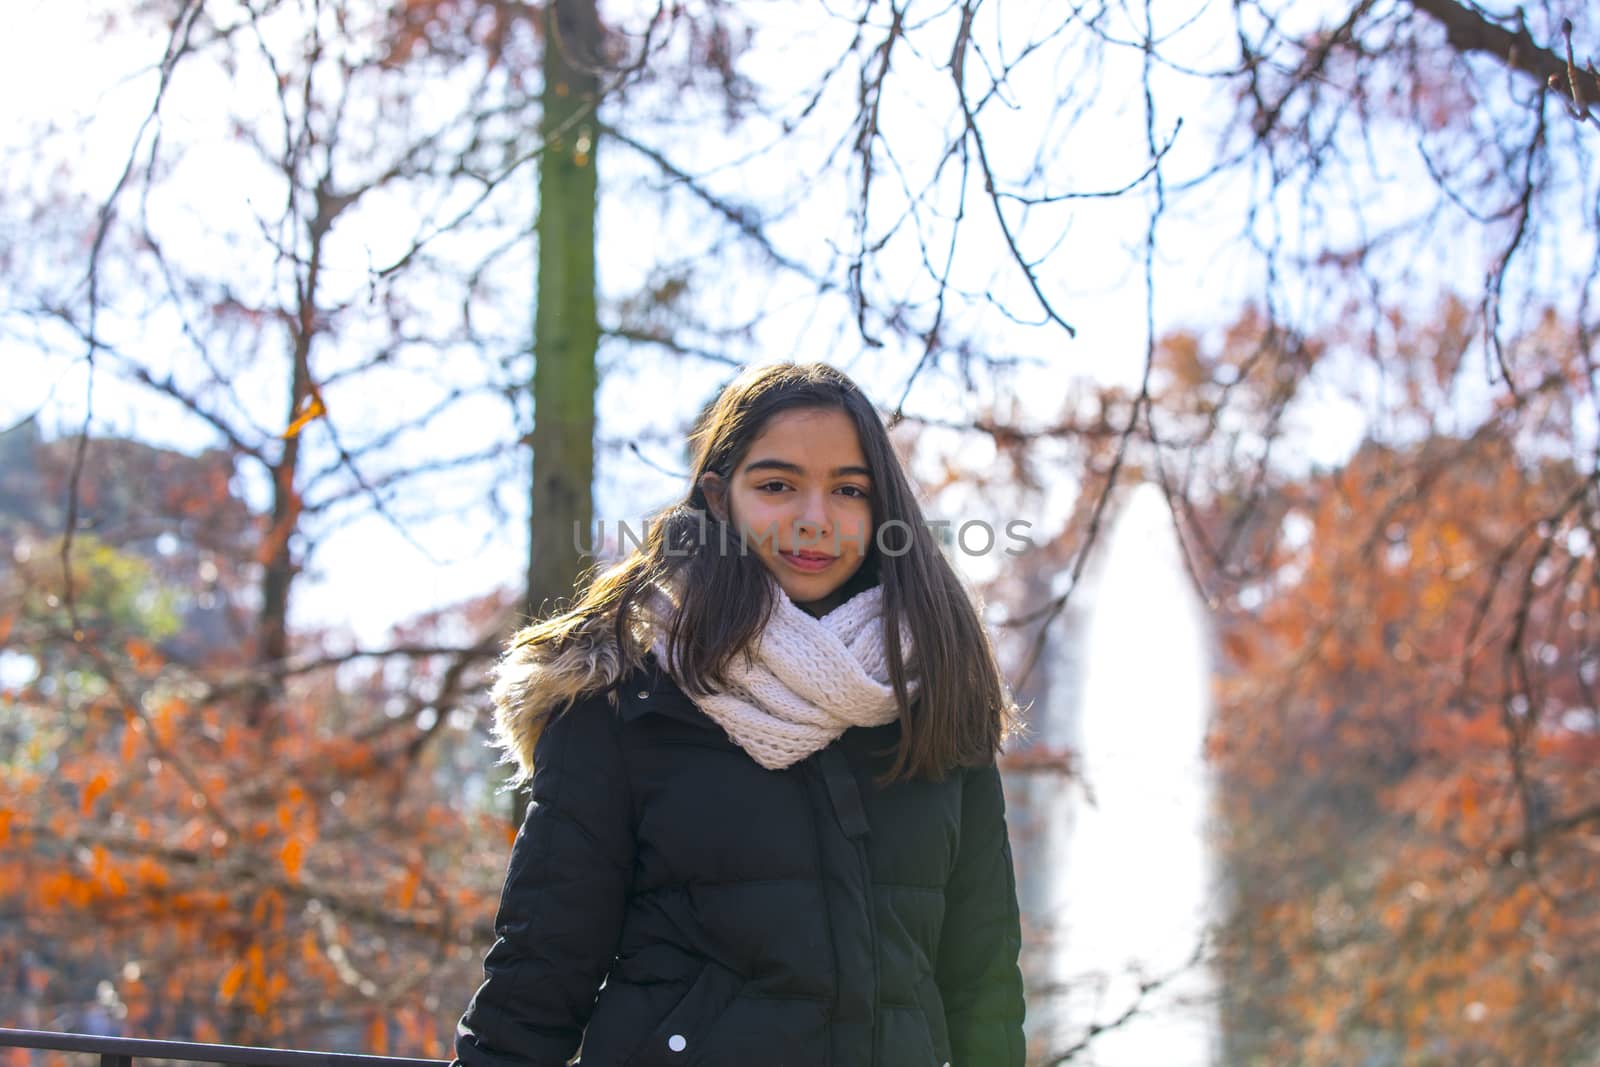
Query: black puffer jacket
(744, 917)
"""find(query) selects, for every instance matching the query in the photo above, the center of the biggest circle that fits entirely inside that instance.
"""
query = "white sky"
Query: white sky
(56, 64)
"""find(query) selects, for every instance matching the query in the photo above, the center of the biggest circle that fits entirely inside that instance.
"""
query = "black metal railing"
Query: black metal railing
(122, 1051)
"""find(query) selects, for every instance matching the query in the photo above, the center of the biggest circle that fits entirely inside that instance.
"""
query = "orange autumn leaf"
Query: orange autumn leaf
(231, 981)
(91, 792)
(313, 409)
(142, 653)
(377, 1036)
(1239, 649)
(1469, 800)
(151, 873)
(130, 744)
(408, 888)
(292, 855)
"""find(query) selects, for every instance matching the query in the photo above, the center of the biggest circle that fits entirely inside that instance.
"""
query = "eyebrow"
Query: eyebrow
(795, 468)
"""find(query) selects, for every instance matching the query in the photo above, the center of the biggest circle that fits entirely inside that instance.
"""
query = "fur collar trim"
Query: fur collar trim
(531, 685)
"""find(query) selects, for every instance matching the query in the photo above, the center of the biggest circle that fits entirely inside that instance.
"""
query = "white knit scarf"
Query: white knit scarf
(810, 680)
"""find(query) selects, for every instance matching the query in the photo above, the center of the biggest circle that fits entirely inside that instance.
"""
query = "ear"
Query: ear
(715, 490)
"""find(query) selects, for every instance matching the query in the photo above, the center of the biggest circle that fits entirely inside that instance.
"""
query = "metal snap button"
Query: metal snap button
(644, 694)
(677, 1044)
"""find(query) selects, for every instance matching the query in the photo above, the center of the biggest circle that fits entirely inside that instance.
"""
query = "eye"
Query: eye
(855, 491)
(772, 487)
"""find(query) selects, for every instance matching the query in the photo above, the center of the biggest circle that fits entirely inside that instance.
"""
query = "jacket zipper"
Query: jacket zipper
(827, 922)
(872, 940)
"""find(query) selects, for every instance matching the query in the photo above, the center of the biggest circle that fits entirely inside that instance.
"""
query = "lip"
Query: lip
(808, 563)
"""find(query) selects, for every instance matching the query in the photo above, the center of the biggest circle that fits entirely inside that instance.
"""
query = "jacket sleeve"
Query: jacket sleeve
(980, 943)
(561, 908)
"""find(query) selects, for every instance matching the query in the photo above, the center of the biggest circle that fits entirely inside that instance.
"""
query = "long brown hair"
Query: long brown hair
(963, 713)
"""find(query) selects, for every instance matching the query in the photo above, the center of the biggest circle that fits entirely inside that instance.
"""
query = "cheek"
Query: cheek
(855, 526)
(756, 514)
(748, 506)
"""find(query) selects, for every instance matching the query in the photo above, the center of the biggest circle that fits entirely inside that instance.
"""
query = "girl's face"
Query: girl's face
(802, 498)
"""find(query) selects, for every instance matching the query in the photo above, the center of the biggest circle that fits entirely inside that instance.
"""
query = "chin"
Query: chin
(807, 592)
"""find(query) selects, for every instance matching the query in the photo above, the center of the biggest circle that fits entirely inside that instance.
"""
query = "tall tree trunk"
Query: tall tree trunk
(565, 330)
(278, 563)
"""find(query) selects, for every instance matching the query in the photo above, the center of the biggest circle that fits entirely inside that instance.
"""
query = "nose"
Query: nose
(812, 522)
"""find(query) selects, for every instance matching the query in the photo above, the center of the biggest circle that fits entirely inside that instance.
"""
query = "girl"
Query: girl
(766, 827)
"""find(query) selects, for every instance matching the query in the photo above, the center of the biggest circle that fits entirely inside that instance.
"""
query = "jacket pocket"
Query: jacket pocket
(680, 1038)
(932, 1002)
